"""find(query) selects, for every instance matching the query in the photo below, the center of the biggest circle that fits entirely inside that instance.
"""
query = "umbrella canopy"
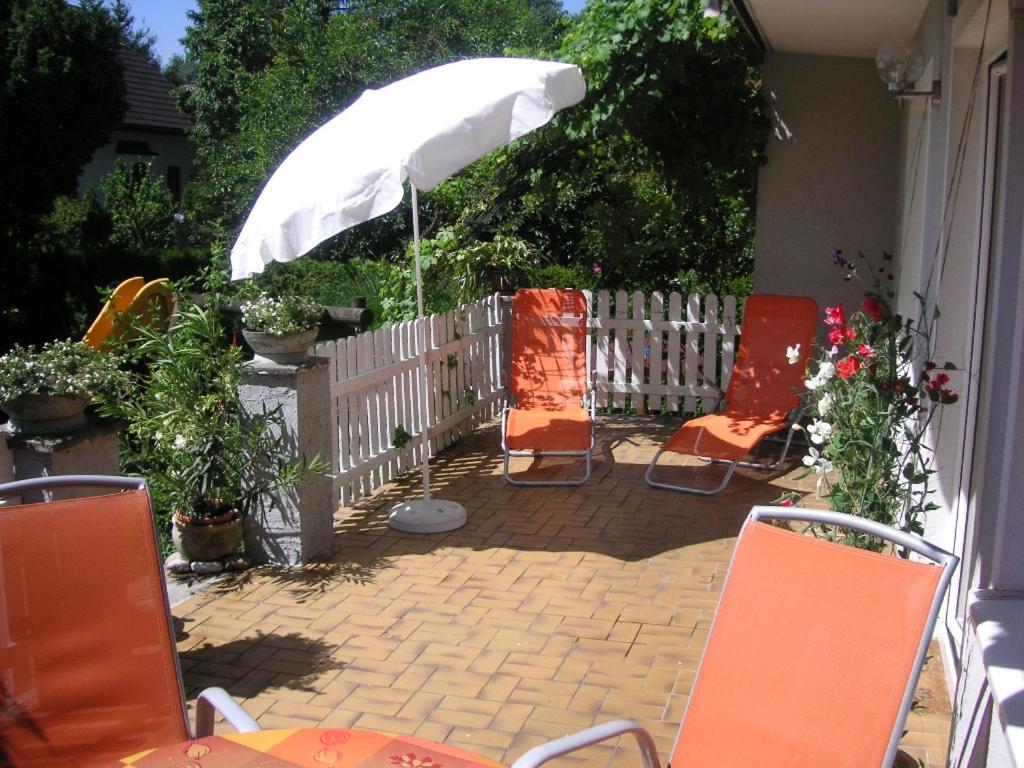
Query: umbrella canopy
(424, 128)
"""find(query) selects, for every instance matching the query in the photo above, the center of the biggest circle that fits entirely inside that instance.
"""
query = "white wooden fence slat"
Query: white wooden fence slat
(638, 346)
(655, 402)
(672, 370)
(709, 349)
(620, 346)
(603, 354)
(731, 331)
(691, 355)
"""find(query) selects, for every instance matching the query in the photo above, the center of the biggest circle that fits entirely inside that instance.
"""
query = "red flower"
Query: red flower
(930, 366)
(866, 352)
(840, 334)
(835, 315)
(875, 308)
(848, 366)
(786, 503)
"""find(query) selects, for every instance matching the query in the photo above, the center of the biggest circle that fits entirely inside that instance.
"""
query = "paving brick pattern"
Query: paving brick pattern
(553, 609)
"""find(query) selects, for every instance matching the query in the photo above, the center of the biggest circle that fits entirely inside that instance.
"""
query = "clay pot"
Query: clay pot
(208, 538)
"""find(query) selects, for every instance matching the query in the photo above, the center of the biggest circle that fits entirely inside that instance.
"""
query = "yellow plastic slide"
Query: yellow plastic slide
(152, 302)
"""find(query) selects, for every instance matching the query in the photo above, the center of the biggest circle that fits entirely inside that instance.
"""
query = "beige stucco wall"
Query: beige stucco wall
(170, 149)
(832, 175)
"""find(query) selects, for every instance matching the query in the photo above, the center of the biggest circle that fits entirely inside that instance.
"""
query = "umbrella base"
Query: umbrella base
(423, 516)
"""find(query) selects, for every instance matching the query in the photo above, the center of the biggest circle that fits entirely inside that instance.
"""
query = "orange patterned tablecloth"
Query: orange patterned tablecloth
(308, 748)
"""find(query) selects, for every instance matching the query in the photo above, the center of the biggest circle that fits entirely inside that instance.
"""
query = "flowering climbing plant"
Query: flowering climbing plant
(875, 393)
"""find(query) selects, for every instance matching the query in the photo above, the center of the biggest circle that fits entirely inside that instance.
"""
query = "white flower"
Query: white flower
(826, 370)
(793, 354)
(812, 457)
(825, 404)
(820, 431)
(180, 442)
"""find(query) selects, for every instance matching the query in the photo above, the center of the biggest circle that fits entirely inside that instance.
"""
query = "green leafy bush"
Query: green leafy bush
(186, 429)
(140, 207)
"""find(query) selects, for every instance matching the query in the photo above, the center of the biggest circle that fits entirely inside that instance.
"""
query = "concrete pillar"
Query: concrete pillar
(91, 450)
(294, 527)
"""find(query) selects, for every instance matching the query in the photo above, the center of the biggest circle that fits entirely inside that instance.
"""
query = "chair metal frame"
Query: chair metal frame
(210, 700)
(589, 401)
(648, 752)
(731, 465)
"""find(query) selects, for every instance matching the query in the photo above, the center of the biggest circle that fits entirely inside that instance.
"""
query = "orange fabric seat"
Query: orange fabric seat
(564, 430)
(549, 374)
(762, 395)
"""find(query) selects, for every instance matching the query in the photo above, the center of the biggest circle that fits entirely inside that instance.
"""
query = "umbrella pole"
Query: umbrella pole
(424, 381)
(424, 515)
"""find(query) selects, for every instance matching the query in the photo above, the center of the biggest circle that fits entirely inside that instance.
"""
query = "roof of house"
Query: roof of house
(148, 94)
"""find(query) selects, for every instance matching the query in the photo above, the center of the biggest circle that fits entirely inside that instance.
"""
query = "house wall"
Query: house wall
(946, 222)
(832, 177)
(170, 149)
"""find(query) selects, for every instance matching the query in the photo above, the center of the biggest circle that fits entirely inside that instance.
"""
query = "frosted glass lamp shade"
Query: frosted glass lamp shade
(899, 62)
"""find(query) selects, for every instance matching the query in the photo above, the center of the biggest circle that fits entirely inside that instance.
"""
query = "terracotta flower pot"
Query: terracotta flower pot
(280, 349)
(45, 414)
(205, 539)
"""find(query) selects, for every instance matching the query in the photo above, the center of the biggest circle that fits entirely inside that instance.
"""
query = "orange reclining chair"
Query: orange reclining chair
(550, 364)
(813, 657)
(88, 666)
(762, 397)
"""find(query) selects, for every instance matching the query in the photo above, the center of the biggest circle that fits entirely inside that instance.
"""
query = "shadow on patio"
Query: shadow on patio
(553, 609)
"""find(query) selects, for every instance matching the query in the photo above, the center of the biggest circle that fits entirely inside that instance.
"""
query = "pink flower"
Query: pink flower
(835, 315)
(596, 268)
(866, 352)
(786, 503)
(840, 334)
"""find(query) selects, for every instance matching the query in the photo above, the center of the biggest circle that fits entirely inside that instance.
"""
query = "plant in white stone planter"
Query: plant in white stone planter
(281, 329)
(46, 391)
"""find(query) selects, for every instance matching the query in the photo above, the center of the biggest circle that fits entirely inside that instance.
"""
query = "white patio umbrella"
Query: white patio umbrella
(424, 128)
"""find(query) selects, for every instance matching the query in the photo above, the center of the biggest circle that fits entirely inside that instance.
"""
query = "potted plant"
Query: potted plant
(46, 391)
(207, 459)
(281, 330)
(876, 392)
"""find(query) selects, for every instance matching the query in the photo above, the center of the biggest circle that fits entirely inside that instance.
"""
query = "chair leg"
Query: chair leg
(551, 483)
(649, 477)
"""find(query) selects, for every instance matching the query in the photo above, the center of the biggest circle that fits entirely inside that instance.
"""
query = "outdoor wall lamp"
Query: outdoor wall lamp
(901, 62)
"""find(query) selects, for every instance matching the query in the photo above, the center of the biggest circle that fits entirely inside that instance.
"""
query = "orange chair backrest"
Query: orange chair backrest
(549, 338)
(118, 302)
(88, 668)
(151, 303)
(763, 381)
(809, 655)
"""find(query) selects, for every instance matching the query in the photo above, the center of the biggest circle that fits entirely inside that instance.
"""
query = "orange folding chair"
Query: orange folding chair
(813, 657)
(762, 397)
(550, 364)
(88, 666)
(152, 303)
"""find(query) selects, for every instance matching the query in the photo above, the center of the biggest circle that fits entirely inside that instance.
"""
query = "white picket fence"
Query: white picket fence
(662, 356)
(648, 355)
(376, 390)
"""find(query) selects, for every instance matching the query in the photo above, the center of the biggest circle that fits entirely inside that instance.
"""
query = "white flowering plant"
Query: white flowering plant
(875, 393)
(281, 316)
(63, 368)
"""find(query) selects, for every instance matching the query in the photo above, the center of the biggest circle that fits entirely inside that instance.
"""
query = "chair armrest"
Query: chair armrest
(219, 700)
(575, 741)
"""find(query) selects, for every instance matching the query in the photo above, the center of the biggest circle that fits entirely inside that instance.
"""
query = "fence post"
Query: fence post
(295, 526)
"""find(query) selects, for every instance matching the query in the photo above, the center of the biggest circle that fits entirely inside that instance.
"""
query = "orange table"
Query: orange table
(308, 748)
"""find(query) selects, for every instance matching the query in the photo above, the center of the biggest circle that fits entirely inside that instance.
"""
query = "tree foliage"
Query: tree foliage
(57, 70)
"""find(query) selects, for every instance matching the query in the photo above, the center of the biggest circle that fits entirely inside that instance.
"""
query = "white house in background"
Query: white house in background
(941, 186)
(152, 130)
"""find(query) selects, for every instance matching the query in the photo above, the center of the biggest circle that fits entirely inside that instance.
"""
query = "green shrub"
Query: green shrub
(140, 207)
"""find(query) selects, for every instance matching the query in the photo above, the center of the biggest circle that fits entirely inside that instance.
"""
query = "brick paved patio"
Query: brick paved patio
(553, 609)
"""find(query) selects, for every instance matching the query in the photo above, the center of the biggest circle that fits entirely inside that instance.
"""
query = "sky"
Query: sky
(166, 19)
